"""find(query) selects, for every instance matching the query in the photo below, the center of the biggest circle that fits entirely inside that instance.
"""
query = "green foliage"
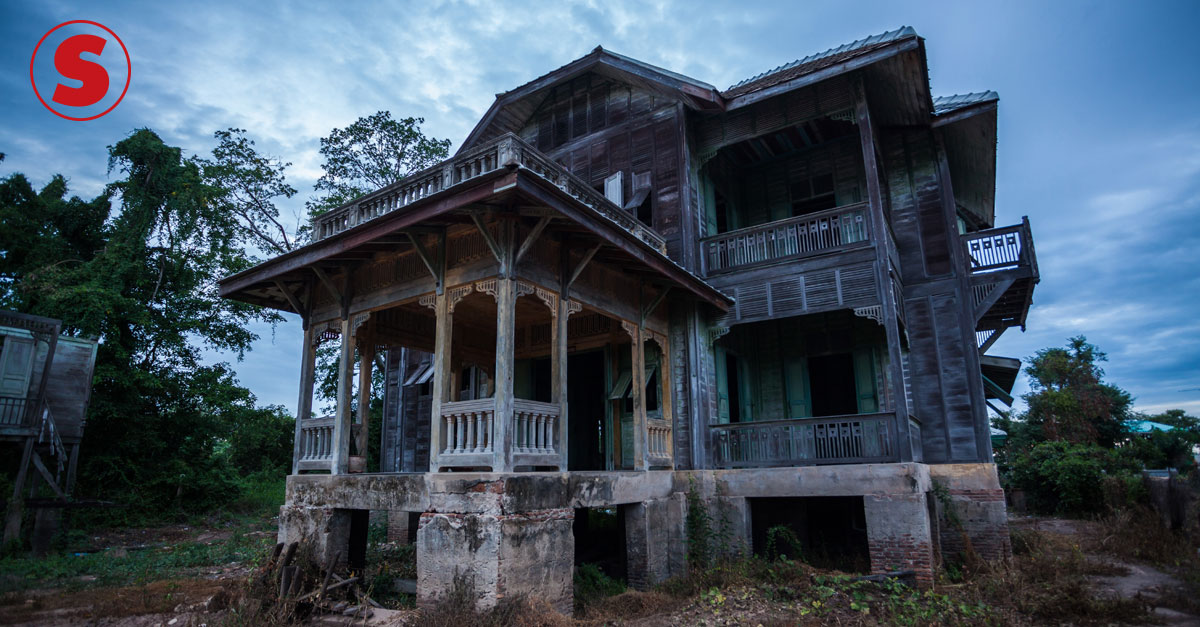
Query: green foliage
(373, 152)
(1068, 400)
(782, 543)
(698, 524)
(114, 568)
(249, 185)
(167, 434)
(1063, 478)
(592, 585)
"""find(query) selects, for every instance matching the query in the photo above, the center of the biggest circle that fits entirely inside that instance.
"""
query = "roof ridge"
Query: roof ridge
(899, 33)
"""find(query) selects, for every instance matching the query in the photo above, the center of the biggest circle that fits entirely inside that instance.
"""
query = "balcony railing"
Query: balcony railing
(468, 432)
(316, 443)
(504, 151)
(789, 238)
(1004, 248)
(12, 410)
(856, 439)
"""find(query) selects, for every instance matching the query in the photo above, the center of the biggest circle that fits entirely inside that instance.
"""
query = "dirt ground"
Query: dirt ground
(201, 596)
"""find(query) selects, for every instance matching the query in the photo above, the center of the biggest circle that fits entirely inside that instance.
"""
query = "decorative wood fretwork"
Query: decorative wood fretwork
(358, 321)
(630, 328)
(874, 312)
(428, 300)
(549, 298)
(716, 333)
(658, 338)
(486, 286)
(525, 289)
(457, 293)
(574, 307)
(326, 331)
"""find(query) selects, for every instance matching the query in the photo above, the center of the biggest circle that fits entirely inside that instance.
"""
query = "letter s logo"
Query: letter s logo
(68, 62)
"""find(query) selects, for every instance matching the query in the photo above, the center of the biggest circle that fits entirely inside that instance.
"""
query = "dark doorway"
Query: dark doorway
(586, 398)
(832, 530)
(600, 539)
(832, 379)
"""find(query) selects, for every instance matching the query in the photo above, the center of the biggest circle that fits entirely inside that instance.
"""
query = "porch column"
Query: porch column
(638, 363)
(341, 425)
(443, 335)
(558, 374)
(664, 400)
(506, 318)
(304, 405)
(366, 352)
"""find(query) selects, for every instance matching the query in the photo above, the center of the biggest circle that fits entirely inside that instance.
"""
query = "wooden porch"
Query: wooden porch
(482, 261)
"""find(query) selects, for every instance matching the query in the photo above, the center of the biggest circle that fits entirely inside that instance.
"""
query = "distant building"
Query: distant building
(627, 283)
(45, 386)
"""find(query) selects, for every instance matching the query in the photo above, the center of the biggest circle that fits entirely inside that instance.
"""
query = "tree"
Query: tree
(143, 280)
(249, 185)
(1068, 399)
(372, 153)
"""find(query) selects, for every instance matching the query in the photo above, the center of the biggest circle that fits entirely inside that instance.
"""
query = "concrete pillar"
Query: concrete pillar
(655, 547)
(325, 530)
(497, 555)
(980, 516)
(899, 535)
(397, 526)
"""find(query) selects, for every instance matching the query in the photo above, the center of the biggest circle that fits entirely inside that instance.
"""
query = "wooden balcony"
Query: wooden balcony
(1003, 271)
(826, 231)
(853, 439)
(469, 433)
(506, 151)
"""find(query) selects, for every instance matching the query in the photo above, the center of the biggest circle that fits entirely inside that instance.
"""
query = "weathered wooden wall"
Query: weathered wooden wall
(596, 127)
(943, 359)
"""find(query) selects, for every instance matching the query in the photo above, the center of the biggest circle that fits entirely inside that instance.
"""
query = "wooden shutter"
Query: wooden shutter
(523, 379)
(710, 207)
(864, 380)
(722, 386)
(16, 366)
(747, 393)
(612, 189)
(795, 373)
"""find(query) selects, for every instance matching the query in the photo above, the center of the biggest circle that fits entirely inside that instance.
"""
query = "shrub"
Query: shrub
(592, 585)
(1063, 478)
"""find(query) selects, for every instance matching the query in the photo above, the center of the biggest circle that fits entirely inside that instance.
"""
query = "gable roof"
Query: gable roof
(819, 61)
(511, 109)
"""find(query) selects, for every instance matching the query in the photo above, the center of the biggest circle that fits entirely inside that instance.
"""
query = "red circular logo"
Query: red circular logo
(95, 88)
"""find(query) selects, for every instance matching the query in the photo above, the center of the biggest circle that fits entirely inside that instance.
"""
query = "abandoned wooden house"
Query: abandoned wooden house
(45, 386)
(628, 284)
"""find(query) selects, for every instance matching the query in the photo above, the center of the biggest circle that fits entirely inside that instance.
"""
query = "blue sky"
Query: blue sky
(1099, 124)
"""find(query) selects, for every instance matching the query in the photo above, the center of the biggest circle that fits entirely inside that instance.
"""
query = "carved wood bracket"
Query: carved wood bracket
(874, 312)
(716, 333)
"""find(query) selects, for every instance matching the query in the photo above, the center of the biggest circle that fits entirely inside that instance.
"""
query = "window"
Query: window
(813, 194)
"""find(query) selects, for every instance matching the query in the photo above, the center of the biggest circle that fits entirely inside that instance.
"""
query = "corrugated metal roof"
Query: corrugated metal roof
(818, 61)
(947, 104)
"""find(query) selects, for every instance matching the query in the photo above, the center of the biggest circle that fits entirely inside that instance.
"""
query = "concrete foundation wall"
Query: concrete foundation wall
(510, 534)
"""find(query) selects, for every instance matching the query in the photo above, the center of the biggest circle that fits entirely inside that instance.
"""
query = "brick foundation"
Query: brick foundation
(980, 516)
(899, 535)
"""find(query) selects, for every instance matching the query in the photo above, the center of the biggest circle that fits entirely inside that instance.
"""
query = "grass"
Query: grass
(118, 567)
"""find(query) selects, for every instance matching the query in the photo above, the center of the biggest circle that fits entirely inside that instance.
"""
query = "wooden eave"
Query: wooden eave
(500, 188)
(693, 93)
(849, 65)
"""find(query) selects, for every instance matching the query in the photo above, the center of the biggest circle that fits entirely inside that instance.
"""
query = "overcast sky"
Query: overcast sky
(1099, 123)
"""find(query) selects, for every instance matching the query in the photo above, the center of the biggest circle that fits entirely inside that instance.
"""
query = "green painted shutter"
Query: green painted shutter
(746, 393)
(710, 207)
(722, 386)
(523, 379)
(864, 380)
(796, 382)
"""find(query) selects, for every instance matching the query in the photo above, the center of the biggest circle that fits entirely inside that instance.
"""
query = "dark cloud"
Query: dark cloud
(1098, 139)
